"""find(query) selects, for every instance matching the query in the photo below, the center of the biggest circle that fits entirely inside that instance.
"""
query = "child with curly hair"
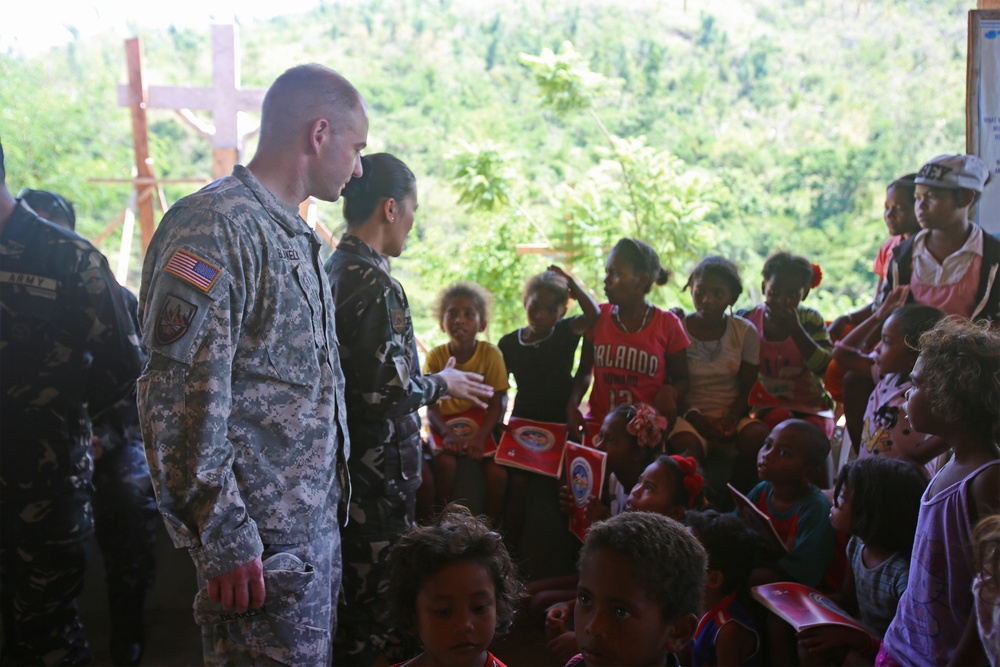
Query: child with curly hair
(670, 486)
(642, 578)
(453, 584)
(956, 395)
(463, 312)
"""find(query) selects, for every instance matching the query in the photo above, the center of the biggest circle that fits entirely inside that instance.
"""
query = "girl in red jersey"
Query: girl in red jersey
(635, 352)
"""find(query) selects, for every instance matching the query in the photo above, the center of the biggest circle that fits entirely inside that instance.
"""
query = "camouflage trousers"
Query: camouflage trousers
(295, 625)
(125, 517)
(43, 557)
(362, 632)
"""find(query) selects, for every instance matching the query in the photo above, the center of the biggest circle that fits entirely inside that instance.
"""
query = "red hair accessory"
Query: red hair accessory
(647, 425)
(693, 481)
(817, 276)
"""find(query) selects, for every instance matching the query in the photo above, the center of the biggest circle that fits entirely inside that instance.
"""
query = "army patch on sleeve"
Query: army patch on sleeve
(93, 281)
(173, 320)
(193, 269)
(398, 320)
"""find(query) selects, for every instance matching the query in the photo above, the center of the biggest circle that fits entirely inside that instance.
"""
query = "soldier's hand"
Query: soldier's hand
(462, 384)
(239, 589)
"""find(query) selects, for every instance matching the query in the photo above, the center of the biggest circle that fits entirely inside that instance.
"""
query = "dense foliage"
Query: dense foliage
(703, 126)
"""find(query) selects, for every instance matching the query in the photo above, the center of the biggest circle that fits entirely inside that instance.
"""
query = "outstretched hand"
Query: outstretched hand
(239, 589)
(465, 385)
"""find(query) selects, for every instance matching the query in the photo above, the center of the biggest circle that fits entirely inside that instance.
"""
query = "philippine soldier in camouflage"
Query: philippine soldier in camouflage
(123, 503)
(125, 517)
(242, 402)
(66, 345)
(384, 390)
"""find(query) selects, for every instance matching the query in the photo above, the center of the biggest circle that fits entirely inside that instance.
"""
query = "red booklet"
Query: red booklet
(465, 424)
(803, 607)
(585, 477)
(534, 446)
(759, 522)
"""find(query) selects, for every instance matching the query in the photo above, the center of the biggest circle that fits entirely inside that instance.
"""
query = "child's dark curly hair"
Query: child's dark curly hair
(793, 266)
(961, 371)
(455, 536)
(885, 501)
(551, 282)
(721, 268)
(664, 558)
(479, 296)
(731, 546)
(643, 259)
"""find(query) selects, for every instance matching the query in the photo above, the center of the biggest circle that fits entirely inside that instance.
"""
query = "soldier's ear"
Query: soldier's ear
(389, 209)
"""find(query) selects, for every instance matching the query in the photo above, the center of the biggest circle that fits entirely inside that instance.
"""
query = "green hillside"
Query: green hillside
(706, 126)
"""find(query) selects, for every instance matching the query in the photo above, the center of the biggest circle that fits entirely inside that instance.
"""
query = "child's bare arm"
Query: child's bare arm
(581, 382)
(591, 311)
(849, 353)
(672, 394)
(734, 644)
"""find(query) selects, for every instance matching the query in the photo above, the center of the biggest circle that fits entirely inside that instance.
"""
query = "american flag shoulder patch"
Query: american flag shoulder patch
(193, 269)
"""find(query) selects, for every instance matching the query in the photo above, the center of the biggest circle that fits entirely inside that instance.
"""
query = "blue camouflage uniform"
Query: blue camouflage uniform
(125, 513)
(66, 346)
(384, 391)
(243, 415)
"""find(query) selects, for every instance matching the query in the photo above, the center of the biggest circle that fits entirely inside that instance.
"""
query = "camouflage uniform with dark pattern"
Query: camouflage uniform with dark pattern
(242, 409)
(66, 345)
(125, 511)
(384, 391)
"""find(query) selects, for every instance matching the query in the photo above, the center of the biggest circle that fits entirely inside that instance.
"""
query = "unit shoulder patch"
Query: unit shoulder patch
(173, 320)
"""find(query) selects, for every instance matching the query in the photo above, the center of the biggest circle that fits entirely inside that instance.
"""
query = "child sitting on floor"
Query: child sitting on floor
(797, 507)
(670, 485)
(642, 578)
(876, 502)
(463, 313)
(453, 585)
(727, 633)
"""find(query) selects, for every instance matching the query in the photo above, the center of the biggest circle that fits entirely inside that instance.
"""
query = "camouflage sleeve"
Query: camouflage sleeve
(186, 393)
(383, 355)
(111, 339)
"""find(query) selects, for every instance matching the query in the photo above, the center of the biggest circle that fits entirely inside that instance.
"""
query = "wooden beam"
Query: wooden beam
(988, 4)
(140, 135)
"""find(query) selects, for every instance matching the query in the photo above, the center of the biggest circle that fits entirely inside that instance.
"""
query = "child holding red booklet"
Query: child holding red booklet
(463, 312)
(540, 356)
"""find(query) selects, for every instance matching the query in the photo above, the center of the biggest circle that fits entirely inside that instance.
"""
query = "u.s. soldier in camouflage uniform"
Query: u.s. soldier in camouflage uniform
(66, 345)
(124, 507)
(241, 403)
(384, 391)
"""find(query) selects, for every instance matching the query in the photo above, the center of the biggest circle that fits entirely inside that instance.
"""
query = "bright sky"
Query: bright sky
(32, 26)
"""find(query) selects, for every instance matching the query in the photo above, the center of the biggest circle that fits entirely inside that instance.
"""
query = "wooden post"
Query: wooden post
(140, 137)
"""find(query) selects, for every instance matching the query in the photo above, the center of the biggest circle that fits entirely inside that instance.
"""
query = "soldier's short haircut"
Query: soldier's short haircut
(300, 96)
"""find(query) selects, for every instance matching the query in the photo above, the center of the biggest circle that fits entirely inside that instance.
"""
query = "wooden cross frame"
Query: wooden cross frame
(225, 99)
